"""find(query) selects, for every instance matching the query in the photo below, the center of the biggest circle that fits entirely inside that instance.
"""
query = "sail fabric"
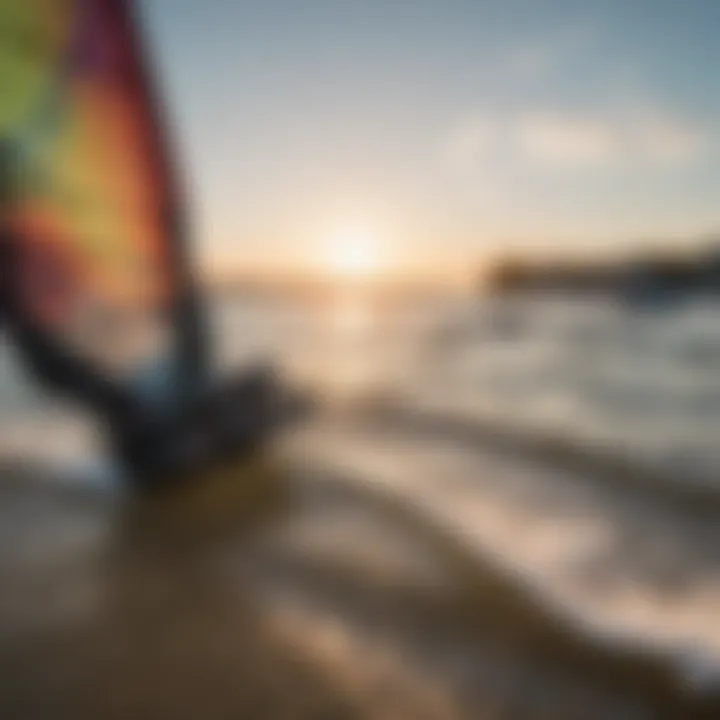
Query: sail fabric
(89, 197)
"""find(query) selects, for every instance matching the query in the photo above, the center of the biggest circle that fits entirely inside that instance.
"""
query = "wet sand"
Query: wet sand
(311, 600)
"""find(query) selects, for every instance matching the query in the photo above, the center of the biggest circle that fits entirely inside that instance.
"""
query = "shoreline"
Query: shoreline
(480, 608)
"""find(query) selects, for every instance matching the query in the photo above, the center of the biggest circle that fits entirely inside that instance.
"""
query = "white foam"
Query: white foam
(566, 543)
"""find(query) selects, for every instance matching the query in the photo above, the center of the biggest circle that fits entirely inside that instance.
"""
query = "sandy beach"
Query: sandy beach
(315, 599)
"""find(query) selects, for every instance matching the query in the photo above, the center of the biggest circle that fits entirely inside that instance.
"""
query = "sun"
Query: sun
(352, 252)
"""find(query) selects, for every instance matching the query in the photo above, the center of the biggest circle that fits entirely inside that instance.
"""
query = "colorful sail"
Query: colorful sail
(90, 199)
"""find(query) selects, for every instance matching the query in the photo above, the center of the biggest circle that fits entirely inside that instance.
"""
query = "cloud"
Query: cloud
(620, 138)
(566, 141)
(642, 138)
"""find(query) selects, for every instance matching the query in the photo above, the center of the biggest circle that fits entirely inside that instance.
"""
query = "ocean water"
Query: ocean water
(643, 385)
(628, 387)
(639, 384)
(608, 381)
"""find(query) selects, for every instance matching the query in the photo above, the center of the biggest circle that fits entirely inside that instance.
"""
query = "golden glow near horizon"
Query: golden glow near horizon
(352, 252)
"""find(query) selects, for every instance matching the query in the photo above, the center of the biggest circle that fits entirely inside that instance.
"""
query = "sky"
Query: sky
(443, 130)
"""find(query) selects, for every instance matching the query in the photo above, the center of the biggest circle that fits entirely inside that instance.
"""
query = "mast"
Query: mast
(192, 346)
